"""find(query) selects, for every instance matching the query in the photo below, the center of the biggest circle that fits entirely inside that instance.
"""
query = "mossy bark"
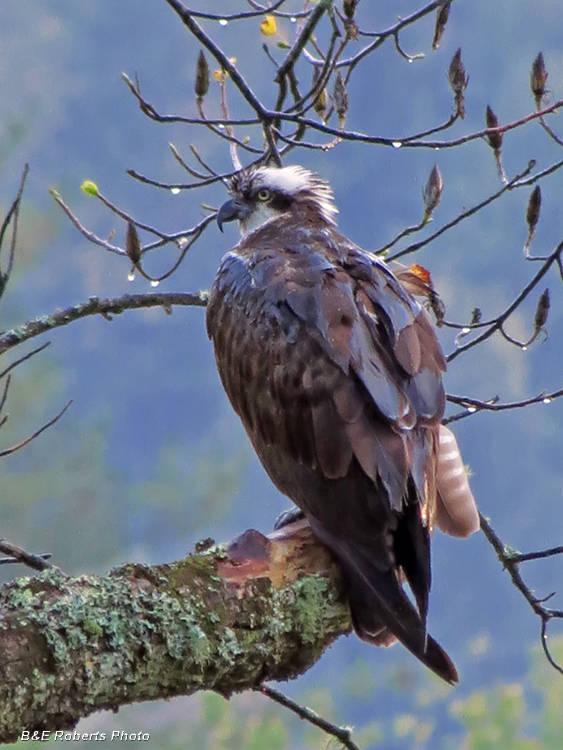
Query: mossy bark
(224, 619)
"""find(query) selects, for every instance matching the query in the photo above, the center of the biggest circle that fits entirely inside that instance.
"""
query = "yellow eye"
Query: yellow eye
(264, 194)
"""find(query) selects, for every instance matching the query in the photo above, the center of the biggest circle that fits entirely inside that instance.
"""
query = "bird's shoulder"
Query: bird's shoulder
(355, 314)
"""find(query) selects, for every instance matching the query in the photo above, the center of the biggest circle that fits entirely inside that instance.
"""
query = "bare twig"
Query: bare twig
(90, 236)
(409, 141)
(342, 734)
(520, 557)
(19, 555)
(476, 405)
(514, 183)
(260, 11)
(4, 397)
(148, 109)
(191, 171)
(195, 29)
(23, 359)
(498, 322)
(179, 238)
(306, 32)
(510, 561)
(11, 216)
(31, 438)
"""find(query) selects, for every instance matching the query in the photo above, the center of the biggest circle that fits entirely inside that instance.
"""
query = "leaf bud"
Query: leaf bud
(132, 244)
(476, 316)
(542, 310)
(538, 78)
(534, 208)
(320, 101)
(432, 192)
(201, 85)
(442, 15)
(458, 81)
(494, 138)
(90, 188)
(340, 99)
(349, 8)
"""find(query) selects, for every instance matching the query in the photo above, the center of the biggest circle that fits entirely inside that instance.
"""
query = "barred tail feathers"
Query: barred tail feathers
(456, 511)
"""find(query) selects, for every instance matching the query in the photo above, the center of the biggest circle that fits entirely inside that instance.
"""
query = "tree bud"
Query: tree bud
(132, 244)
(538, 78)
(542, 310)
(432, 192)
(201, 86)
(458, 82)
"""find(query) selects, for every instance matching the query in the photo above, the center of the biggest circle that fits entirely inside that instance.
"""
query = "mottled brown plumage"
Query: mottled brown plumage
(335, 371)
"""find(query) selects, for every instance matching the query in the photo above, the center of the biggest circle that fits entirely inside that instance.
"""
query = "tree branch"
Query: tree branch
(226, 619)
(96, 306)
(510, 561)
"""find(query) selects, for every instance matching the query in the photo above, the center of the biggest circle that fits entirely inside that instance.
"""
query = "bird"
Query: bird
(333, 366)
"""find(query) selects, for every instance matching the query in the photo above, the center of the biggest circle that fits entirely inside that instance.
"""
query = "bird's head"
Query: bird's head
(262, 194)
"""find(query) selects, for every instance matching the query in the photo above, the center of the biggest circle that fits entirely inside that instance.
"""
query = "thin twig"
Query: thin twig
(306, 33)
(90, 236)
(249, 13)
(342, 734)
(179, 238)
(200, 159)
(19, 555)
(514, 183)
(4, 397)
(492, 405)
(190, 170)
(186, 245)
(148, 109)
(25, 357)
(499, 321)
(510, 560)
(31, 438)
(520, 557)
(14, 560)
(233, 142)
(196, 30)
(13, 214)
(407, 141)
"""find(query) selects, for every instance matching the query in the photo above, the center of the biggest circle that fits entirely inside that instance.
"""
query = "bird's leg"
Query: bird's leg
(288, 516)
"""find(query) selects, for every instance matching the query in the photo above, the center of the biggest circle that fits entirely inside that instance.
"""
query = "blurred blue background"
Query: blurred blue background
(150, 457)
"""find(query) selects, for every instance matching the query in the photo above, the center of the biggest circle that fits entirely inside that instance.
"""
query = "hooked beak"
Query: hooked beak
(232, 210)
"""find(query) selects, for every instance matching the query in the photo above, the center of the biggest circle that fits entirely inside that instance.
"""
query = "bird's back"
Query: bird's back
(335, 372)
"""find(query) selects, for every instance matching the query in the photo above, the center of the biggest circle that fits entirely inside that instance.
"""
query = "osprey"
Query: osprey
(336, 373)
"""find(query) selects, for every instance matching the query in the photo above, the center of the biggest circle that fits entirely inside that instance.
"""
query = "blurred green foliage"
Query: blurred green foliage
(63, 492)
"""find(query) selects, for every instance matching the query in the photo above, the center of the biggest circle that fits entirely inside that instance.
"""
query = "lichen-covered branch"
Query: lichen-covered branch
(225, 619)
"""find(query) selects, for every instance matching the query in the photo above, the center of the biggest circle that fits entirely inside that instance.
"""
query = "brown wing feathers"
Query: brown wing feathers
(336, 375)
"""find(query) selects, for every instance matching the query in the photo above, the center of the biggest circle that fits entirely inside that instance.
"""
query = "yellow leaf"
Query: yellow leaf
(268, 26)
